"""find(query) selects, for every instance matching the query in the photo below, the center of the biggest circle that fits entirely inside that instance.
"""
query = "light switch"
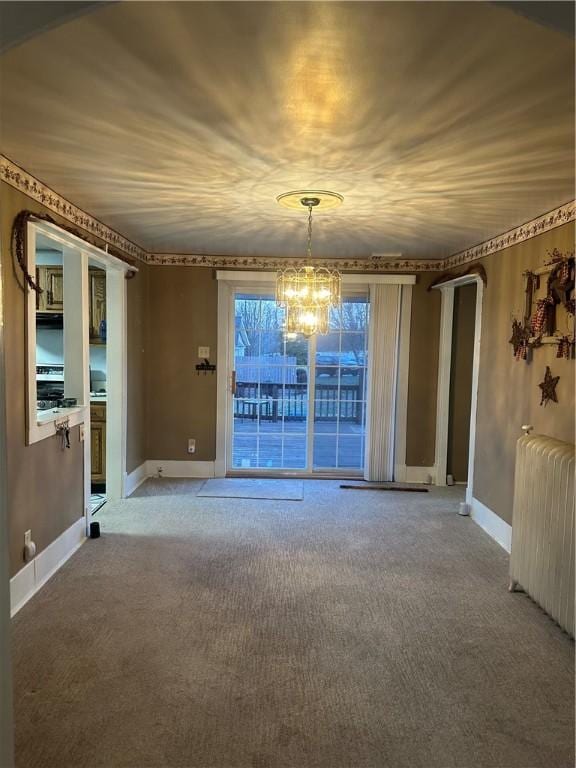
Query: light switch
(204, 352)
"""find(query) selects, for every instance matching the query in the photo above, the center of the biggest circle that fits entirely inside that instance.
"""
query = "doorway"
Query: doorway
(92, 285)
(97, 333)
(460, 333)
(298, 405)
(460, 399)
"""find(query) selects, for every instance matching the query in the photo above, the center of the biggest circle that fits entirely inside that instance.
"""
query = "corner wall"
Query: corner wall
(423, 373)
(136, 375)
(508, 392)
(44, 483)
(182, 315)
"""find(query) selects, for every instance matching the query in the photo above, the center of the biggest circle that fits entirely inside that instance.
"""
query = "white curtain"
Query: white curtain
(382, 376)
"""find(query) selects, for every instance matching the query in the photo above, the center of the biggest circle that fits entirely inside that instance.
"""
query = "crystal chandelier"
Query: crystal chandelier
(308, 293)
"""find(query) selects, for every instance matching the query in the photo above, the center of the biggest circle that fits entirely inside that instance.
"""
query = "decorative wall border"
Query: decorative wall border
(23, 181)
(375, 264)
(555, 218)
(372, 264)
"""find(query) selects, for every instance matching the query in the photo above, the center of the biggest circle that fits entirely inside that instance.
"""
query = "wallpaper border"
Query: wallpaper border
(23, 181)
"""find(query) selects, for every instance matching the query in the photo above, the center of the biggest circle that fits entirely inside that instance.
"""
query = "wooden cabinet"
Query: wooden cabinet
(51, 280)
(97, 291)
(98, 442)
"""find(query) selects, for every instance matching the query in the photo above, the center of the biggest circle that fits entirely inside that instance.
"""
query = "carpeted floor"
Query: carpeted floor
(347, 630)
(253, 488)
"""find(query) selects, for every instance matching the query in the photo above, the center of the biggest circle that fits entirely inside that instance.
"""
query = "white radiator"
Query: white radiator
(542, 557)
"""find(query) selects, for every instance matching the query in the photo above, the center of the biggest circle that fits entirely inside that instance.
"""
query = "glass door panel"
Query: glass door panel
(299, 404)
(340, 388)
(270, 413)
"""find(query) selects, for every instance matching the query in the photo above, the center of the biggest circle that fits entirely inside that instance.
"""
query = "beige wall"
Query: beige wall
(173, 310)
(461, 381)
(423, 373)
(45, 483)
(136, 368)
(508, 393)
(182, 315)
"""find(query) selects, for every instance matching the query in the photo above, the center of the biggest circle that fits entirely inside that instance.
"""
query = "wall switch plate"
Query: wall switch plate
(204, 353)
(27, 537)
(82, 433)
(191, 445)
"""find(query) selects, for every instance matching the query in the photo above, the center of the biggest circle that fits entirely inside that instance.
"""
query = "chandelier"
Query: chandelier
(310, 292)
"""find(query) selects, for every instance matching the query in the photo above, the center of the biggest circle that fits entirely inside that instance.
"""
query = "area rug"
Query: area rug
(253, 488)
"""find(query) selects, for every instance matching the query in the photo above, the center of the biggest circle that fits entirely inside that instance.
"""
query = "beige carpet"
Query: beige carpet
(349, 630)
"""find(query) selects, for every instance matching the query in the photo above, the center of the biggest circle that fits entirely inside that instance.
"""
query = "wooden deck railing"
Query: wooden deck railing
(273, 401)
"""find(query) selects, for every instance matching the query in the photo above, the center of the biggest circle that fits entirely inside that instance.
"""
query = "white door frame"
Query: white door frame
(6, 718)
(264, 287)
(228, 282)
(116, 373)
(444, 370)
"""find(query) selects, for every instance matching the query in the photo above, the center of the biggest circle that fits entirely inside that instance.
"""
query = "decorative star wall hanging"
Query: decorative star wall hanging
(519, 340)
(548, 387)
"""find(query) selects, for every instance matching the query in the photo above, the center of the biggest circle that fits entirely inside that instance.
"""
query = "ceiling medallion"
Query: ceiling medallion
(309, 293)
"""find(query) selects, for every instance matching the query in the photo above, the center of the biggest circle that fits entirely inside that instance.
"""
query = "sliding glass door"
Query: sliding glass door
(298, 405)
(339, 380)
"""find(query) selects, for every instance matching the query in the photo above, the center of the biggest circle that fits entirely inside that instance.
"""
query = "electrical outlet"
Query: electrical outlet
(159, 471)
(82, 433)
(204, 353)
(191, 445)
(27, 538)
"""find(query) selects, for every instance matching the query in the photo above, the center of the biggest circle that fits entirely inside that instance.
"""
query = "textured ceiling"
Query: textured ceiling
(177, 124)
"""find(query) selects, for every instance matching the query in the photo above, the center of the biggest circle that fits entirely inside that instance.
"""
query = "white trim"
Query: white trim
(444, 368)
(457, 282)
(6, 703)
(225, 294)
(172, 468)
(443, 390)
(65, 238)
(494, 526)
(401, 416)
(36, 573)
(475, 379)
(75, 261)
(45, 426)
(347, 278)
(135, 479)
(116, 384)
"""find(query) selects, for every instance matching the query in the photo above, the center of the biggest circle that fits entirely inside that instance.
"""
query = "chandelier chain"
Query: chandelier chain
(309, 246)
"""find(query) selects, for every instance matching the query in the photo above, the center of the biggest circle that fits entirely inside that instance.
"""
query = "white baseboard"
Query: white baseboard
(404, 474)
(135, 479)
(171, 468)
(494, 526)
(36, 573)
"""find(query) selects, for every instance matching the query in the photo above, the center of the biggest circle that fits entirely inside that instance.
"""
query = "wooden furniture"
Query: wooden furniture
(98, 442)
(51, 280)
(254, 407)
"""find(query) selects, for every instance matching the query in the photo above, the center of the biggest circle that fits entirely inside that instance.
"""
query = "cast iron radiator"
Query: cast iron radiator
(542, 557)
